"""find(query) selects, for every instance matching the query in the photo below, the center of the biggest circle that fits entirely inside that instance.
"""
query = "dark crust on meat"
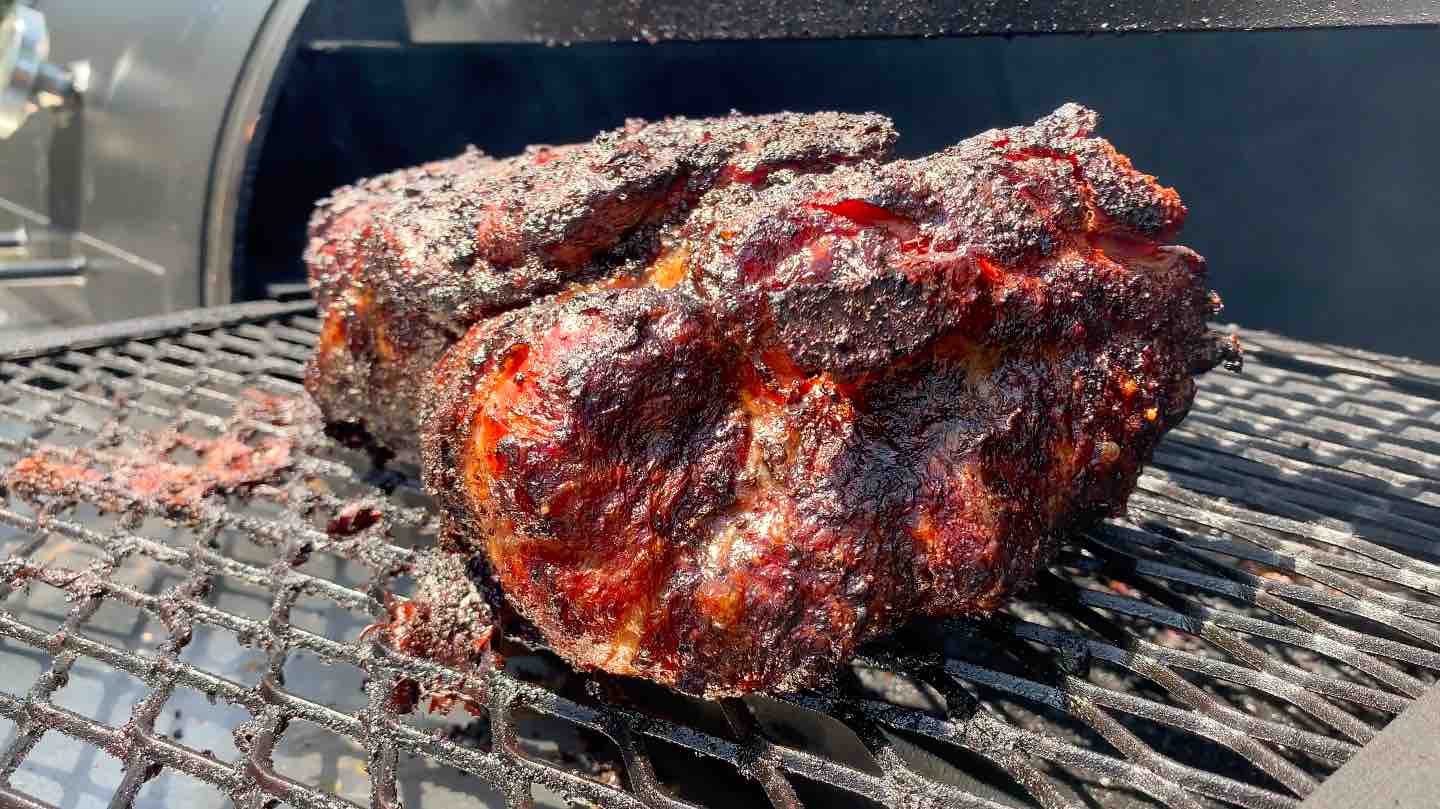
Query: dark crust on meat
(864, 396)
(370, 358)
(404, 264)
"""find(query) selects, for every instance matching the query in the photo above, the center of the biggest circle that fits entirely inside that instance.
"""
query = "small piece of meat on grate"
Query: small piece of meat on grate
(448, 621)
(834, 402)
(404, 264)
(151, 477)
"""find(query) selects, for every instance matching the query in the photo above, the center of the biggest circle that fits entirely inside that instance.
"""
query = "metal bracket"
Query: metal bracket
(29, 269)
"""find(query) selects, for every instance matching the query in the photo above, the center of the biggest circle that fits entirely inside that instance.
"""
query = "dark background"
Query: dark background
(1309, 158)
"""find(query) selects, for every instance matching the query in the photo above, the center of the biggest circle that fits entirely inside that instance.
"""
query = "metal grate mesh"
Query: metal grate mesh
(1231, 643)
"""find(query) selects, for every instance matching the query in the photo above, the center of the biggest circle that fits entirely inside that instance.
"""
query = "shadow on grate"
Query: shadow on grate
(1270, 603)
(63, 771)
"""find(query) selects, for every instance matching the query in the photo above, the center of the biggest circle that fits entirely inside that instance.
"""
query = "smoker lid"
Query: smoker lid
(565, 21)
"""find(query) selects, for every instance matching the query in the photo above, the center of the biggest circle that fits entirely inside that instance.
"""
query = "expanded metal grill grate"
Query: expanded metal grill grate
(1231, 643)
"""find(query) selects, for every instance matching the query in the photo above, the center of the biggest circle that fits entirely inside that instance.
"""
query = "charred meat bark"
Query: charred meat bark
(404, 264)
(370, 358)
(169, 472)
(827, 404)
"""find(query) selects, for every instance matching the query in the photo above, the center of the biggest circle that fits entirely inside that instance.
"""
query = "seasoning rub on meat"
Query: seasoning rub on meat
(720, 400)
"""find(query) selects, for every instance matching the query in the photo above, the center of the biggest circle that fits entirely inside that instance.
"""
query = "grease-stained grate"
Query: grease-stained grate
(1268, 606)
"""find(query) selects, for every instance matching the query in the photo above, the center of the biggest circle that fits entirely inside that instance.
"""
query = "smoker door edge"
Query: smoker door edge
(241, 136)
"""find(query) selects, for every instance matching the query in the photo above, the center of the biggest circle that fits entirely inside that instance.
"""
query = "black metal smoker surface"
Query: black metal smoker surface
(1270, 604)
